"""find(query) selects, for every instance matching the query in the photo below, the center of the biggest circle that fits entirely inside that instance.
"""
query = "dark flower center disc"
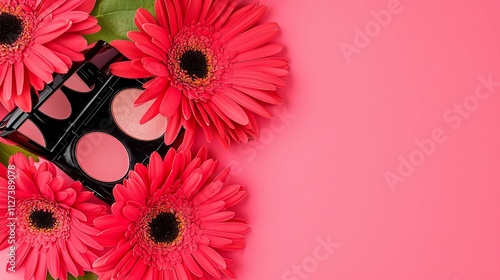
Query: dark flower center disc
(195, 64)
(42, 220)
(11, 28)
(164, 228)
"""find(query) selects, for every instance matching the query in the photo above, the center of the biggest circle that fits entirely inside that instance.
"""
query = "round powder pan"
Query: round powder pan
(127, 116)
(102, 157)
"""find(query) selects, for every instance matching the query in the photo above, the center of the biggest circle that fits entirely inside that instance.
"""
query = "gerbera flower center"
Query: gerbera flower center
(195, 63)
(198, 61)
(17, 27)
(164, 228)
(42, 219)
(11, 28)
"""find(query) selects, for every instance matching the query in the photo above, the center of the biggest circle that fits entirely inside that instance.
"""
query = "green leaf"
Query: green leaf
(6, 151)
(116, 18)
(87, 276)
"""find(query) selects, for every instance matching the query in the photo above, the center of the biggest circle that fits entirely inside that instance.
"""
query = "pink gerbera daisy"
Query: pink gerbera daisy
(38, 38)
(54, 227)
(170, 220)
(213, 66)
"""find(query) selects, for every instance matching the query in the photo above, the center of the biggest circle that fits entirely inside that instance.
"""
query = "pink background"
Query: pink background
(318, 173)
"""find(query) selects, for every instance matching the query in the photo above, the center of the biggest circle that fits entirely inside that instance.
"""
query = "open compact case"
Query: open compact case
(85, 123)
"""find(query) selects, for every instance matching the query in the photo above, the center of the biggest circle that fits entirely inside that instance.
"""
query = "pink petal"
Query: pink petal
(216, 120)
(207, 192)
(24, 100)
(158, 33)
(34, 80)
(248, 20)
(205, 8)
(190, 185)
(73, 16)
(173, 128)
(138, 36)
(128, 49)
(254, 37)
(210, 208)
(78, 257)
(277, 65)
(260, 76)
(87, 239)
(88, 26)
(152, 50)
(154, 90)
(226, 14)
(252, 83)
(192, 265)
(193, 11)
(52, 31)
(247, 102)
(153, 111)
(239, 228)
(41, 267)
(73, 41)
(186, 110)
(230, 109)
(53, 262)
(58, 65)
(270, 97)
(197, 110)
(206, 263)
(171, 101)
(219, 242)
(7, 83)
(180, 272)
(142, 17)
(237, 15)
(189, 135)
(64, 50)
(235, 199)
(213, 256)
(19, 74)
(128, 260)
(221, 115)
(218, 217)
(68, 262)
(124, 69)
(47, 7)
(39, 66)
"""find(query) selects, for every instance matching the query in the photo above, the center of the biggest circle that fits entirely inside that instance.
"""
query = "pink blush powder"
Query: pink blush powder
(102, 157)
(77, 84)
(30, 130)
(57, 106)
(127, 116)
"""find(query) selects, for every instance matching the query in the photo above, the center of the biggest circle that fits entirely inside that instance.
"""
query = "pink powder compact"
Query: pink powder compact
(86, 123)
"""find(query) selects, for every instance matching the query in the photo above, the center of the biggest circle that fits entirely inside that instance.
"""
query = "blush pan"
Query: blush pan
(30, 130)
(102, 157)
(77, 84)
(127, 116)
(57, 106)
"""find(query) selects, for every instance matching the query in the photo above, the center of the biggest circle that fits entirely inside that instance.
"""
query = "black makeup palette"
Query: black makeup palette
(85, 123)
